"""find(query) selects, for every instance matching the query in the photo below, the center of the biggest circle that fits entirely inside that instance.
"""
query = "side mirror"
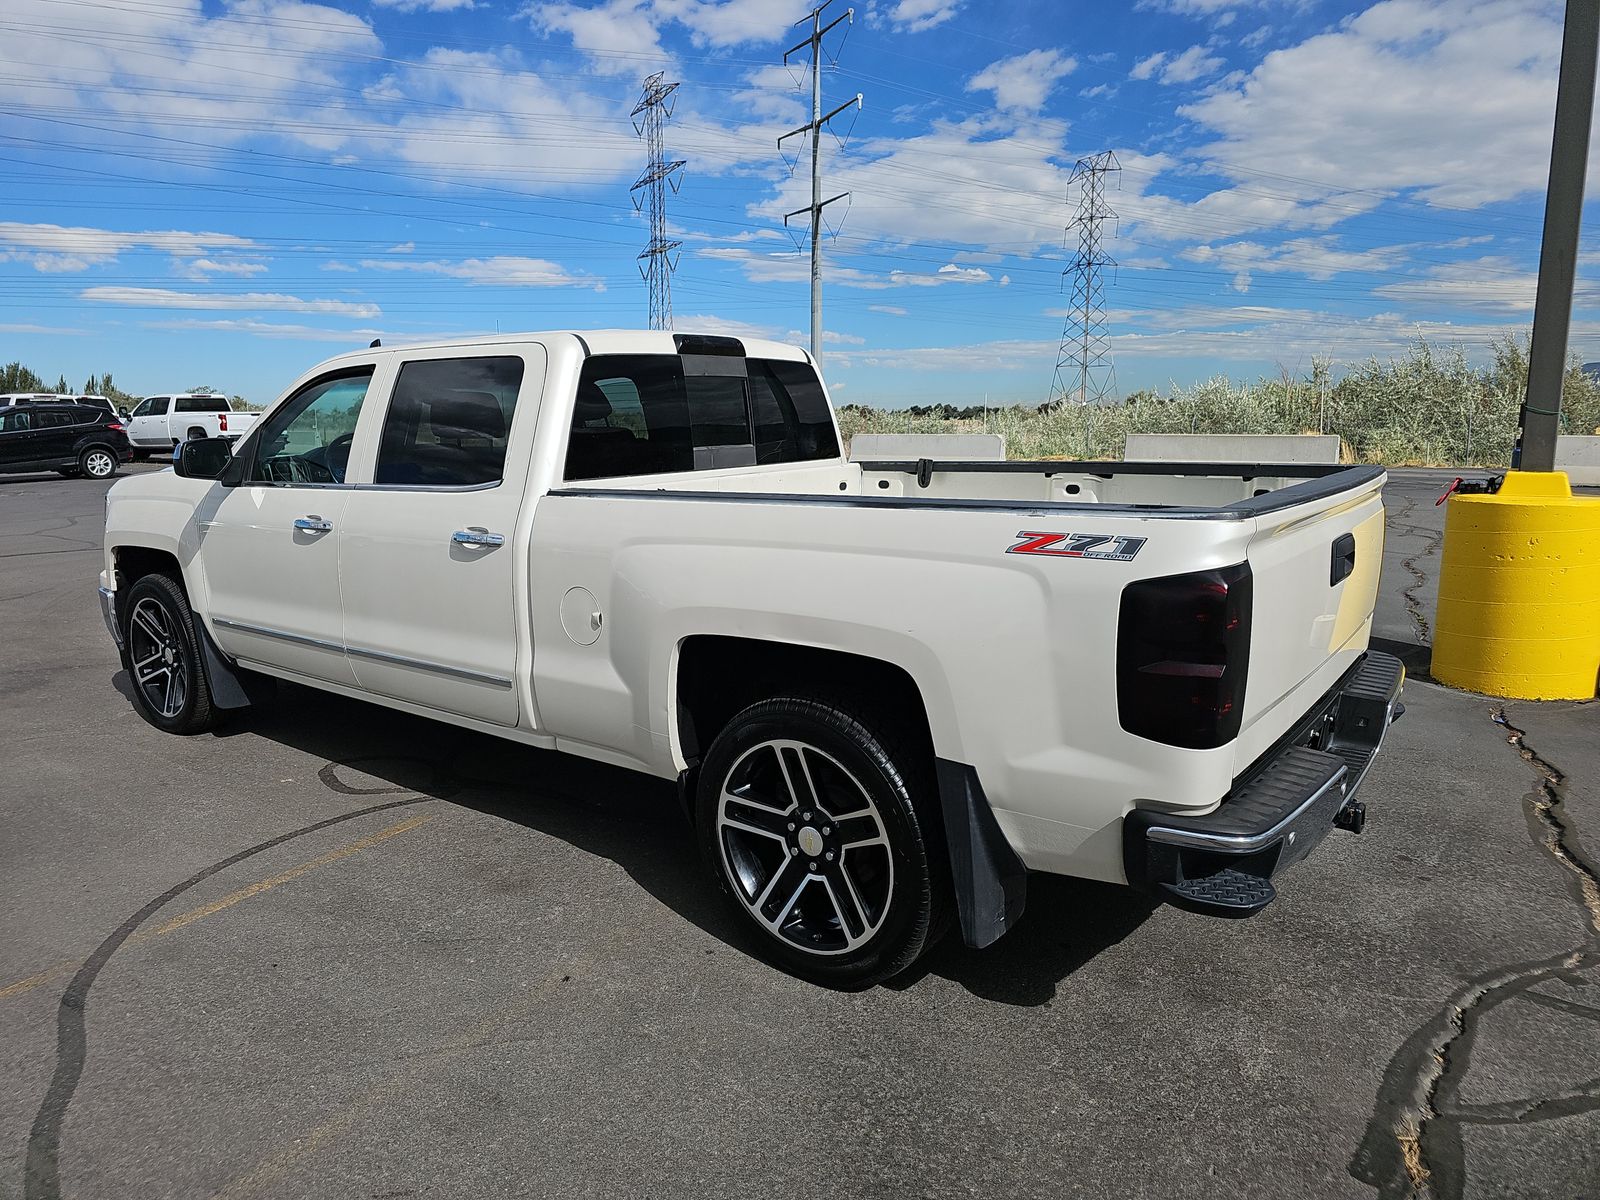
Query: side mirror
(203, 458)
(124, 414)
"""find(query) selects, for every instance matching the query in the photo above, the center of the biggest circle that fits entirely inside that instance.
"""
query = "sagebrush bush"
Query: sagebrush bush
(1426, 407)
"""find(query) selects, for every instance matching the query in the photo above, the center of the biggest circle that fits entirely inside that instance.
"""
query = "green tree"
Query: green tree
(14, 377)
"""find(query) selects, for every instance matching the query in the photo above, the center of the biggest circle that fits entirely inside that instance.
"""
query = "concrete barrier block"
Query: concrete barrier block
(907, 447)
(1233, 447)
(1579, 457)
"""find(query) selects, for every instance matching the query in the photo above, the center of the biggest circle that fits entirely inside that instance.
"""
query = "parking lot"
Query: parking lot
(338, 951)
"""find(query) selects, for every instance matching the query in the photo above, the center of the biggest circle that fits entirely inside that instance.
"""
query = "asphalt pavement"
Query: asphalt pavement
(337, 951)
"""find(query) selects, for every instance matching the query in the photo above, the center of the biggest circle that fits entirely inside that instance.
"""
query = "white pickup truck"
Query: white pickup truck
(158, 423)
(887, 691)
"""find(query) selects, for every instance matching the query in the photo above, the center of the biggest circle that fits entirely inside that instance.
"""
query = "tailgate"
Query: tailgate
(1315, 580)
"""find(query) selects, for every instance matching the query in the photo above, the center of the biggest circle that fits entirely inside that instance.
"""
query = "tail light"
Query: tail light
(115, 426)
(222, 422)
(1183, 651)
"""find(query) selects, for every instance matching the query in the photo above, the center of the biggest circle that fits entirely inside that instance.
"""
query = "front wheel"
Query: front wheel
(161, 652)
(813, 822)
(97, 463)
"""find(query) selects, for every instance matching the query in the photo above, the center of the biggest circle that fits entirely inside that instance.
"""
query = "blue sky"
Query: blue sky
(226, 192)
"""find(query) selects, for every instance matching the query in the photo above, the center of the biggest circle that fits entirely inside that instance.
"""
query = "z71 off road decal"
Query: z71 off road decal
(1078, 545)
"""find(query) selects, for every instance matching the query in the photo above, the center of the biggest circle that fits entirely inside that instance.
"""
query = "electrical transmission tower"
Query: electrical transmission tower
(1084, 371)
(658, 259)
(814, 128)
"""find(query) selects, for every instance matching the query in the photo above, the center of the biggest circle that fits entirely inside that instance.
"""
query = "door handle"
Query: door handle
(312, 524)
(477, 537)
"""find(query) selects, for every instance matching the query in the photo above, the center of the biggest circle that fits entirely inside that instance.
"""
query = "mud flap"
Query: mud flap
(227, 689)
(991, 884)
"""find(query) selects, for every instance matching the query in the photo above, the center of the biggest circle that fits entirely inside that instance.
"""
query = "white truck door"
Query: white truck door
(147, 426)
(429, 556)
(270, 546)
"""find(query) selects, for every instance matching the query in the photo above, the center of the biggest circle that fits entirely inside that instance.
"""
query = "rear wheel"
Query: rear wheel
(810, 819)
(162, 654)
(97, 463)
(195, 433)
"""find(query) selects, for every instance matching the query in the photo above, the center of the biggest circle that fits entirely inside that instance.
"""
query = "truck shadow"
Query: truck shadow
(634, 821)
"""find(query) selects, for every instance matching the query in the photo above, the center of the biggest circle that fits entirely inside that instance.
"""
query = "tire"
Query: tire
(847, 898)
(161, 652)
(141, 455)
(97, 463)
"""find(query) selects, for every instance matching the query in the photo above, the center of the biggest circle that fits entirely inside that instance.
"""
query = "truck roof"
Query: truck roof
(596, 341)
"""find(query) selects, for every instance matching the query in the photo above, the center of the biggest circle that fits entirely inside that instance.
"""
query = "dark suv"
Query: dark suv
(73, 439)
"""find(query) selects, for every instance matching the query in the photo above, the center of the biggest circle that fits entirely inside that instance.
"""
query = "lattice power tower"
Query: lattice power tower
(658, 260)
(1084, 370)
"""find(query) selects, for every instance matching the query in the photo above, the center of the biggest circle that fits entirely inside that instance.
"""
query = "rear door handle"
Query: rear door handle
(1344, 558)
(312, 524)
(477, 537)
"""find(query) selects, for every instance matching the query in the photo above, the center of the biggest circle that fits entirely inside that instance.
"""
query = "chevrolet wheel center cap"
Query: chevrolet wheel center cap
(810, 841)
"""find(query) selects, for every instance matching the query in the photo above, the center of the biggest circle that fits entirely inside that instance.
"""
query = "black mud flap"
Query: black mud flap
(227, 689)
(991, 884)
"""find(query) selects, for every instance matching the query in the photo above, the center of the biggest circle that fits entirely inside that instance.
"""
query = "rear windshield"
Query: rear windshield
(201, 404)
(640, 414)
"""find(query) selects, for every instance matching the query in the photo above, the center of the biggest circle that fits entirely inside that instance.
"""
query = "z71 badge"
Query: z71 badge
(1078, 545)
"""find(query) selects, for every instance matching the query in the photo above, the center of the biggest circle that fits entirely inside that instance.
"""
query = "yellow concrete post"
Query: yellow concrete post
(1519, 591)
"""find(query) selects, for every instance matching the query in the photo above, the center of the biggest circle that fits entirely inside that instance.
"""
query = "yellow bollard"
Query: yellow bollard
(1519, 591)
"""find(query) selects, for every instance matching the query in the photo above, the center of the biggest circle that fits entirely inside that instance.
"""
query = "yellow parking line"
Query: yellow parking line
(255, 889)
(228, 901)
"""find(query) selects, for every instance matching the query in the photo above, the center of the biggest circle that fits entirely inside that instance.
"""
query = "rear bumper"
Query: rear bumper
(1279, 811)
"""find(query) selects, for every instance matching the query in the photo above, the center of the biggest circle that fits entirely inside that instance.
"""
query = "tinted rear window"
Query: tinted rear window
(639, 414)
(202, 404)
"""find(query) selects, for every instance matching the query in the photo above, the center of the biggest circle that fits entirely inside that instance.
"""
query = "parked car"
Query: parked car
(886, 691)
(73, 439)
(159, 423)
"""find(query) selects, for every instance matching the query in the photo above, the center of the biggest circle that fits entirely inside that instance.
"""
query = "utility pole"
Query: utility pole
(814, 128)
(1084, 370)
(657, 260)
(1558, 251)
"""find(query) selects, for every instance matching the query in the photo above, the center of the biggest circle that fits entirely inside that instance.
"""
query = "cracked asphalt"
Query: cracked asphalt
(337, 951)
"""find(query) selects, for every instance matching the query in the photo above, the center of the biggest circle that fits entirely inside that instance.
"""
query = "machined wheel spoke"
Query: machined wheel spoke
(167, 707)
(146, 661)
(784, 888)
(153, 631)
(860, 830)
(151, 676)
(852, 913)
(740, 814)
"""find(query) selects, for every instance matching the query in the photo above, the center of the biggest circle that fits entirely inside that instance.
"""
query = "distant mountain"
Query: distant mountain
(1592, 370)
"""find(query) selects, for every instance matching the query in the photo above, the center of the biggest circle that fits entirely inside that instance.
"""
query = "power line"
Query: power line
(658, 259)
(814, 127)
(1084, 370)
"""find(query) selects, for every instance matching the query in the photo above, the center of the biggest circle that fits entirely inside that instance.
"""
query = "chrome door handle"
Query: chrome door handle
(477, 537)
(312, 524)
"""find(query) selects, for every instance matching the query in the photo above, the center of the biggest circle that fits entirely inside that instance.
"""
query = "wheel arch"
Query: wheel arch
(717, 675)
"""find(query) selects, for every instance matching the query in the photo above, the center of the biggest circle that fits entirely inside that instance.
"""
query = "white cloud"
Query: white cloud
(949, 273)
(725, 327)
(143, 297)
(1451, 103)
(914, 16)
(830, 337)
(1148, 66)
(786, 266)
(1194, 63)
(208, 268)
(401, 248)
(52, 330)
(1488, 284)
(893, 310)
(1098, 91)
(1024, 82)
(1256, 39)
(426, 5)
(498, 271)
(64, 248)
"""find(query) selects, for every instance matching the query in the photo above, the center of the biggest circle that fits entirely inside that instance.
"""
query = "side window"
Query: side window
(308, 439)
(641, 415)
(792, 420)
(54, 418)
(187, 404)
(154, 406)
(15, 420)
(448, 422)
